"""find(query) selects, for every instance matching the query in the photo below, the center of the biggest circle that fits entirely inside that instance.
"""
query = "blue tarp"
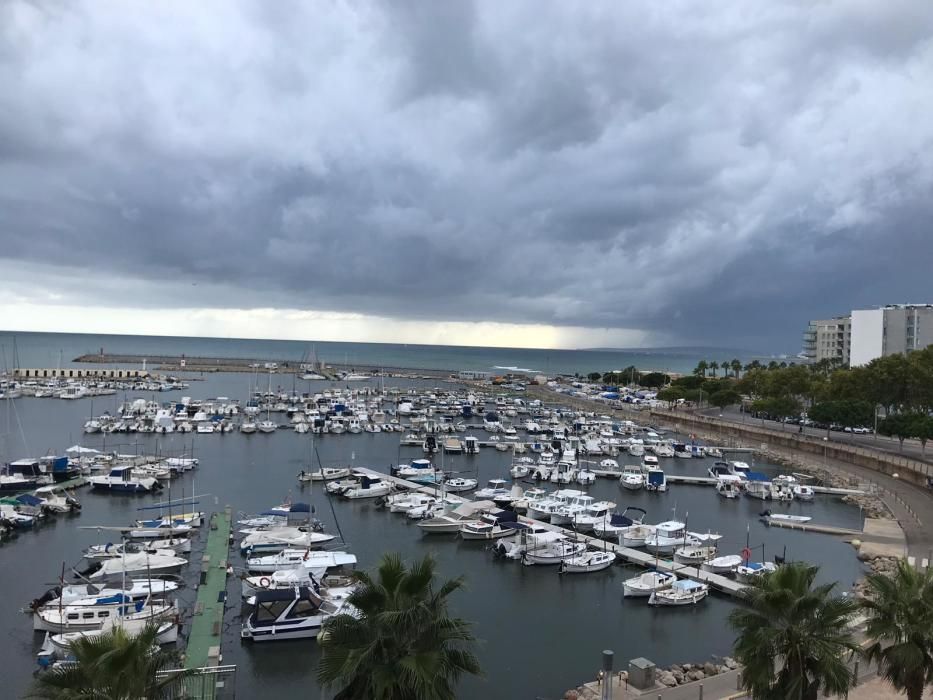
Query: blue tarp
(757, 476)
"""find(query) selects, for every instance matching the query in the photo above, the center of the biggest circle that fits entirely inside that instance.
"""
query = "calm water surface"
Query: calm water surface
(541, 633)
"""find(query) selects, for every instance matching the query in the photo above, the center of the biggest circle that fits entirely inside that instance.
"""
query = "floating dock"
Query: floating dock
(208, 620)
(634, 556)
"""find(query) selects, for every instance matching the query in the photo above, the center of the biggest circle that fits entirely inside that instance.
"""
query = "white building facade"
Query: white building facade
(890, 330)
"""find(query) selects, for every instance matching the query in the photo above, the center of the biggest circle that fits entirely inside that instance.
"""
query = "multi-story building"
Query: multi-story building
(890, 330)
(828, 340)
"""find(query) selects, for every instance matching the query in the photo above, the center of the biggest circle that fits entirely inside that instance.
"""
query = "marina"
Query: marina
(254, 472)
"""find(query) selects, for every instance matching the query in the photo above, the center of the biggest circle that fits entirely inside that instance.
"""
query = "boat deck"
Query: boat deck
(208, 620)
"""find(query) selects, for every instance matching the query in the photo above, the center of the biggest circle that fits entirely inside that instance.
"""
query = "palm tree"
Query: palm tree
(114, 665)
(700, 369)
(402, 645)
(714, 366)
(900, 623)
(736, 368)
(802, 626)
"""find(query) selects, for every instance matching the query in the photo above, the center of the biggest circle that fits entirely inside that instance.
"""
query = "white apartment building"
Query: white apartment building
(889, 330)
(828, 340)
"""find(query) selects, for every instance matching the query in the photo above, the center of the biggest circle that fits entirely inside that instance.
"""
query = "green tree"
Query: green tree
(899, 425)
(113, 666)
(793, 637)
(654, 380)
(594, 376)
(671, 394)
(689, 382)
(700, 369)
(899, 613)
(402, 644)
(724, 397)
(714, 366)
(736, 367)
(922, 429)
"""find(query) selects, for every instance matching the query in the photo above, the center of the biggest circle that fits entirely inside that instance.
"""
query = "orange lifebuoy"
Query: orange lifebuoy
(265, 581)
(746, 553)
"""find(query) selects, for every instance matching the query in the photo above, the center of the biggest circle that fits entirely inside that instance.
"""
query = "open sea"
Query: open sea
(58, 349)
(541, 633)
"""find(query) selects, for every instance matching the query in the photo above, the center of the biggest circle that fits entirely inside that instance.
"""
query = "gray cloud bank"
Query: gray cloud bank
(707, 174)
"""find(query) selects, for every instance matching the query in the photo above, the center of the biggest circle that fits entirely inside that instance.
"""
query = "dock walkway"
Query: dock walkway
(208, 621)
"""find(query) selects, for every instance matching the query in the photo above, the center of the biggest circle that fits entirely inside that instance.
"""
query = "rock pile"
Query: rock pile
(679, 674)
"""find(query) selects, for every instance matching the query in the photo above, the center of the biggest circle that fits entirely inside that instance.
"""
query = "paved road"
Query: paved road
(912, 448)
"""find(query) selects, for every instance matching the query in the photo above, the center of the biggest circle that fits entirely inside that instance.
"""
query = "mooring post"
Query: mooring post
(607, 674)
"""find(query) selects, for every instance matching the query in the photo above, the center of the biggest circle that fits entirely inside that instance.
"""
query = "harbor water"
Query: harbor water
(540, 632)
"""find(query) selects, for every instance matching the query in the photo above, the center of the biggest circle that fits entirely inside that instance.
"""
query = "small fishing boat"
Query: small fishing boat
(586, 477)
(330, 473)
(729, 486)
(122, 480)
(587, 562)
(459, 484)
(769, 517)
(613, 524)
(750, 570)
(694, 554)
(635, 536)
(368, 487)
(491, 526)
(802, 492)
(723, 565)
(647, 583)
(553, 553)
(684, 592)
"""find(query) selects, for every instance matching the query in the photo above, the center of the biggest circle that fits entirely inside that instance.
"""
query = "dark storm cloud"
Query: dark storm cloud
(717, 176)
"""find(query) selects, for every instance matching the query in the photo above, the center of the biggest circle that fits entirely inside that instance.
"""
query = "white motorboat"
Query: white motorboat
(723, 565)
(519, 471)
(247, 427)
(684, 592)
(298, 558)
(769, 517)
(142, 564)
(553, 552)
(58, 499)
(758, 486)
(611, 525)
(585, 477)
(636, 448)
(330, 473)
(729, 486)
(122, 480)
(459, 484)
(647, 583)
(527, 539)
(451, 522)
(667, 537)
(609, 465)
(655, 480)
(276, 539)
(368, 487)
(267, 426)
(802, 492)
(751, 570)
(782, 488)
(452, 445)
(491, 526)
(587, 562)
(694, 555)
(632, 478)
(287, 613)
(495, 488)
(403, 502)
(582, 512)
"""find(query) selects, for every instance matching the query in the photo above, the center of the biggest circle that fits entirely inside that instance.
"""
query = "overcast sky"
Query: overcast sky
(569, 174)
